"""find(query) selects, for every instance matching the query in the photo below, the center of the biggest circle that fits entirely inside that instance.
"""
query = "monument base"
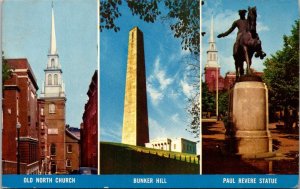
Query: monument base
(247, 133)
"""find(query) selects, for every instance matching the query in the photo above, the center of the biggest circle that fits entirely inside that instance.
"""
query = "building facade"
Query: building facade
(89, 127)
(43, 133)
(175, 145)
(72, 152)
(53, 95)
(19, 107)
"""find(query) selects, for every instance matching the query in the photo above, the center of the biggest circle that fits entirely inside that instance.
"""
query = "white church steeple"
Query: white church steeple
(212, 53)
(53, 85)
(53, 36)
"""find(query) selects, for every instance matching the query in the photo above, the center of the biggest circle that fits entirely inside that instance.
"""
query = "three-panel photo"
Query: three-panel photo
(156, 87)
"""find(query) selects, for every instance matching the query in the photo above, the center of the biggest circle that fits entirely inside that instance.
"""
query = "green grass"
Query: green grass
(186, 157)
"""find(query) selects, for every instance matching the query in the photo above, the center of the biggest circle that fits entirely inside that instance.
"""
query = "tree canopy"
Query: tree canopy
(184, 17)
(282, 73)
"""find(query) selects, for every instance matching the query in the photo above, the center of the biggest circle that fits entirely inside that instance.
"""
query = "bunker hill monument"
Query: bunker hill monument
(135, 118)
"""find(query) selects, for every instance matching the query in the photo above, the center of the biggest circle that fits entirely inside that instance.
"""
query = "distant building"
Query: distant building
(75, 131)
(72, 152)
(176, 145)
(89, 127)
(19, 106)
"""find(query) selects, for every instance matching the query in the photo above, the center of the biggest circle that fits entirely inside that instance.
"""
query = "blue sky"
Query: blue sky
(166, 74)
(26, 34)
(275, 18)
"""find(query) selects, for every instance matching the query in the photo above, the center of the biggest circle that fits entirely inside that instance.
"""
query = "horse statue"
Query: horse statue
(247, 42)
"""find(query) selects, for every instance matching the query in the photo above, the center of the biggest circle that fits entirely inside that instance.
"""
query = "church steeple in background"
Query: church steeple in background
(212, 67)
(53, 85)
(212, 52)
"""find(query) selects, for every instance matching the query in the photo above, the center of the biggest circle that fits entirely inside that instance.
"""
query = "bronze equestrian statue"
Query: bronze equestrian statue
(247, 42)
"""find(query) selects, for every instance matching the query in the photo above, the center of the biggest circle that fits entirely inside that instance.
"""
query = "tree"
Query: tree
(6, 71)
(184, 16)
(208, 99)
(282, 75)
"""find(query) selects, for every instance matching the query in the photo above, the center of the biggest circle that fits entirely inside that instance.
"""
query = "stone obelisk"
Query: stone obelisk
(135, 120)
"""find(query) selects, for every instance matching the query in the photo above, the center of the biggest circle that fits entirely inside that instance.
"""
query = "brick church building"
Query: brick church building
(54, 101)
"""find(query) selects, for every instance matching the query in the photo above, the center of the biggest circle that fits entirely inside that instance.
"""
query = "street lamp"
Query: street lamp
(18, 126)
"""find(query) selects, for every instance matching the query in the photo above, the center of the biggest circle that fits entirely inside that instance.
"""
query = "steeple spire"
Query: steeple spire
(53, 36)
(212, 52)
(211, 39)
(54, 85)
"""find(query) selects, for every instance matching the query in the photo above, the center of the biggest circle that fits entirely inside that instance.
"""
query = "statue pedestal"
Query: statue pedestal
(247, 132)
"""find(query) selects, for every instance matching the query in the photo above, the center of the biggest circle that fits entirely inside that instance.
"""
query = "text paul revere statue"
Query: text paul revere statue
(247, 41)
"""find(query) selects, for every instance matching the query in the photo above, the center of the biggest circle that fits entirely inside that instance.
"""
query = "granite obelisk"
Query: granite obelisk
(135, 118)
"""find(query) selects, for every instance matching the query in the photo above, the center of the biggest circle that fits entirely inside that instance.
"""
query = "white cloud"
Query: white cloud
(261, 27)
(187, 89)
(160, 75)
(158, 82)
(155, 94)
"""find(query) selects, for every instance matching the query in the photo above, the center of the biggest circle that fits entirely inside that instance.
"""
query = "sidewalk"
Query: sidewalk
(285, 144)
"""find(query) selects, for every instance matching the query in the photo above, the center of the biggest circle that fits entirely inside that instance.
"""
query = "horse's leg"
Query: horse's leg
(247, 59)
(241, 68)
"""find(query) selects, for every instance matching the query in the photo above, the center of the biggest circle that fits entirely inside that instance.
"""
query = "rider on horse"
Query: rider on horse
(242, 25)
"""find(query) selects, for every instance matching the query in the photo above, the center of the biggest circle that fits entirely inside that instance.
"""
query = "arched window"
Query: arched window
(52, 62)
(49, 79)
(55, 79)
(53, 150)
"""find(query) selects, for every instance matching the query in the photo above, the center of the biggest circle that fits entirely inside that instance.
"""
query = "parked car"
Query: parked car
(87, 171)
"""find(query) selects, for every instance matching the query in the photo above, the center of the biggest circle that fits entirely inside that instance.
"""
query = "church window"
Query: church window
(53, 149)
(210, 56)
(213, 47)
(52, 62)
(55, 79)
(49, 79)
(214, 56)
(51, 108)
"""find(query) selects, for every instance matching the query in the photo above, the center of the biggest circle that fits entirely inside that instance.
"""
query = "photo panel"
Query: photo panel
(250, 87)
(50, 87)
(149, 60)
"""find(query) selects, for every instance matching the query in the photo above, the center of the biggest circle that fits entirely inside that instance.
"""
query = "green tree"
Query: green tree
(6, 71)
(184, 17)
(282, 75)
(208, 99)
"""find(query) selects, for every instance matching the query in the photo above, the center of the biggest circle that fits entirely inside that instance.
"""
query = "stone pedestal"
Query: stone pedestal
(248, 120)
